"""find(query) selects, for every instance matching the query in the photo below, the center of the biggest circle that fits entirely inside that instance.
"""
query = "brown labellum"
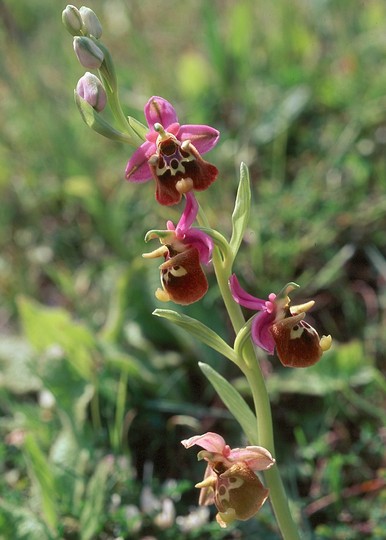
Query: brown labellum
(175, 162)
(297, 342)
(183, 278)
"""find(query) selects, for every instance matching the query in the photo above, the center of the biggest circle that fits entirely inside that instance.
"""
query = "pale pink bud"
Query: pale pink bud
(90, 88)
(88, 53)
(91, 22)
(72, 20)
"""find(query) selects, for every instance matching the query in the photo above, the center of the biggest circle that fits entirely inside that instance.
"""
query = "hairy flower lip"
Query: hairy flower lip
(184, 249)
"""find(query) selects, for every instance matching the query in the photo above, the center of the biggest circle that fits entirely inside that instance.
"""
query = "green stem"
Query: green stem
(109, 78)
(272, 476)
(116, 108)
(252, 371)
(117, 434)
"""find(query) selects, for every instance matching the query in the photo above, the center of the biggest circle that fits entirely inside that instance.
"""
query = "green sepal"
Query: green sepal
(234, 402)
(155, 233)
(241, 210)
(291, 286)
(199, 331)
(96, 122)
(138, 127)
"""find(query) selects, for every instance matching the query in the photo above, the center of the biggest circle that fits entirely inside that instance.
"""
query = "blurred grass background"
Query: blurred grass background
(95, 392)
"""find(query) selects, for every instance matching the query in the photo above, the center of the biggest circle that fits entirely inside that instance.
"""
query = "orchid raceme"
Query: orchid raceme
(230, 481)
(184, 249)
(171, 154)
(282, 326)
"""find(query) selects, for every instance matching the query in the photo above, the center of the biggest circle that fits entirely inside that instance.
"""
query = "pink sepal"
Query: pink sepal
(212, 442)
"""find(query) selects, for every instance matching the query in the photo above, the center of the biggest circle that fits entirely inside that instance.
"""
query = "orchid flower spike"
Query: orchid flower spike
(230, 481)
(282, 327)
(171, 154)
(184, 249)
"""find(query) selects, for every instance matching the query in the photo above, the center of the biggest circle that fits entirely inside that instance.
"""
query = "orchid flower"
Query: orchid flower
(230, 481)
(171, 154)
(184, 249)
(282, 327)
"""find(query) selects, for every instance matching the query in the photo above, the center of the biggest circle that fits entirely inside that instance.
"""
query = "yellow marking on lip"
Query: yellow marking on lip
(325, 343)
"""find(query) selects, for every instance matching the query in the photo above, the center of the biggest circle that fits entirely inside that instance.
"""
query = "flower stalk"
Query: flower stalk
(250, 366)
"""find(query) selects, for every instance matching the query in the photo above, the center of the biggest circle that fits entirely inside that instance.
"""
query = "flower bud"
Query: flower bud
(91, 22)
(90, 88)
(72, 20)
(88, 53)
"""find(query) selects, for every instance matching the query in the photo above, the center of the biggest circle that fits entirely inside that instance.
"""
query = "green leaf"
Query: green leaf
(199, 331)
(126, 363)
(72, 391)
(41, 474)
(23, 523)
(233, 401)
(92, 513)
(45, 327)
(241, 210)
(16, 357)
(281, 116)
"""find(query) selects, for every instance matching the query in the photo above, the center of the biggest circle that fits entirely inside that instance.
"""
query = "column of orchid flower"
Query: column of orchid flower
(170, 154)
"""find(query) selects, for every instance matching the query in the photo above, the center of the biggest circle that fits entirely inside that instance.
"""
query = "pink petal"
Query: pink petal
(202, 242)
(188, 215)
(173, 128)
(158, 109)
(212, 442)
(137, 169)
(203, 138)
(260, 331)
(256, 457)
(170, 225)
(242, 297)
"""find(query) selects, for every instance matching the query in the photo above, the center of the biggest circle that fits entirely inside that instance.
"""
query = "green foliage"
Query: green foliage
(44, 327)
(233, 401)
(198, 330)
(95, 390)
(241, 211)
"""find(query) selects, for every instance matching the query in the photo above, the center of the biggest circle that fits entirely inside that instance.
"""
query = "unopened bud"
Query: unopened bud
(91, 22)
(72, 20)
(88, 53)
(90, 88)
